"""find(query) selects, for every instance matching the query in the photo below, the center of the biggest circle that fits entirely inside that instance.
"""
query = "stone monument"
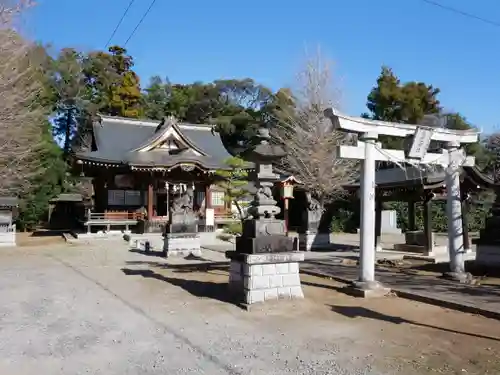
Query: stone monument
(265, 264)
(488, 244)
(310, 237)
(181, 234)
(389, 222)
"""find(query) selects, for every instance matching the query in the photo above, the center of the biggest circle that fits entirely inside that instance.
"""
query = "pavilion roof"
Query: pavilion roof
(7, 202)
(140, 143)
(433, 177)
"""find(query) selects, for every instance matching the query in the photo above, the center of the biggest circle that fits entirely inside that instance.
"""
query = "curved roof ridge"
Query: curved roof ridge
(165, 125)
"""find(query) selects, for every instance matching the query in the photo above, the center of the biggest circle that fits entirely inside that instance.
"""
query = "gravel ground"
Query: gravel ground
(100, 309)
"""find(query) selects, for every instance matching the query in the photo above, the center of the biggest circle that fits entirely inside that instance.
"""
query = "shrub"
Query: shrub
(235, 228)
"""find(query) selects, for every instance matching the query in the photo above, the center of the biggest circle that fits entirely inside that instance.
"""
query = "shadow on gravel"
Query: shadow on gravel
(470, 266)
(183, 268)
(202, 289)
(324, 286)
(151, 253)
(336, 247)
(362, 312)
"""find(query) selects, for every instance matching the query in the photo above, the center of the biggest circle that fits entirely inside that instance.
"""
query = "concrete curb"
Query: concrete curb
(414, 296)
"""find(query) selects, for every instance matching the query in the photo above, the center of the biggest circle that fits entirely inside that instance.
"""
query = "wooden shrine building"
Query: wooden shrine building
(135, 165)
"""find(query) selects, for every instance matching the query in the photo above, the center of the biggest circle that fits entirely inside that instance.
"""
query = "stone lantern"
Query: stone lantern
(265, 264)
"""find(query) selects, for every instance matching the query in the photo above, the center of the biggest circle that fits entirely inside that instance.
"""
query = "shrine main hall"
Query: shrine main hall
(136, 166)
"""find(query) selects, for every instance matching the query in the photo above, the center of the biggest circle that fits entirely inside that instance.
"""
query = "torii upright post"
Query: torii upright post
(367, 240)
(452, 159)
(456, 248)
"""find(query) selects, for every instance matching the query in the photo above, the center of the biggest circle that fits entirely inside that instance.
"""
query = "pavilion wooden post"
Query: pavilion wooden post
(411, 216)
(427, 212)
(465, 223)
(378, 225)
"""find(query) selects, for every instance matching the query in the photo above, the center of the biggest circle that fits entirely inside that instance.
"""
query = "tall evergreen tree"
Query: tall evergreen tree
(113, 86)
(156, 98)
(391, 100)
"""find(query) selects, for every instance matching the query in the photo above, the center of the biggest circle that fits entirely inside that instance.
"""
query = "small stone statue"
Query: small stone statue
(314, 210)
(183, 204)
(265, 193)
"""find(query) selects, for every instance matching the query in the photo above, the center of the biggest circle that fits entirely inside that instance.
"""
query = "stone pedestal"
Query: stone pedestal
(258, 278)
(488, 254)
(264, 236)
(313, 241)
(181, 239)
(415, 242)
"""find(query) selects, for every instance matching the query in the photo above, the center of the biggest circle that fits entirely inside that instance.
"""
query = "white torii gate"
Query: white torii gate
(369, 151)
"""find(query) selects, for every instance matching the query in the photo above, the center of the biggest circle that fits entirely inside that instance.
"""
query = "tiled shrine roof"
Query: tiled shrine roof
(150, 144)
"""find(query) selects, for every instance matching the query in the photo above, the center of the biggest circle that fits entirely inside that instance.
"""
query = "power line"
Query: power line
(462, 13)
(140, 22)
(119, 23)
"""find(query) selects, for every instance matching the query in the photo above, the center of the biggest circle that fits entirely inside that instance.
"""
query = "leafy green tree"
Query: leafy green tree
(236, 107)
(234, 183)
(391, 100)
(70, 102)
(112, 84)
(243, 111)
(49, 183)
(454, 120)
(156, 98)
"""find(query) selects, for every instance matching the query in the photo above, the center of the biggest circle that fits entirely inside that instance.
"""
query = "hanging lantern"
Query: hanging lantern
(287, 190)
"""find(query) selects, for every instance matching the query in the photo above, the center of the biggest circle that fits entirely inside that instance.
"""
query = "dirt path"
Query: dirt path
(104, 310)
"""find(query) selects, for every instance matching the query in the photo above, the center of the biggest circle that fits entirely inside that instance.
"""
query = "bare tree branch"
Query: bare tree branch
(309, 138)
(21, 116)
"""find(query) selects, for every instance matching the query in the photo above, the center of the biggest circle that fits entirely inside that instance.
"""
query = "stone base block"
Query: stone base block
(368, 289)
(181, 244)
(155, 240)
(435, 251)
(313, 241)
(255, 278)
(488, 255)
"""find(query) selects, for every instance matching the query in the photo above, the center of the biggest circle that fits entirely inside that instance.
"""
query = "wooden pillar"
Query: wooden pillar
(411, 216)
(150, 199)
(100, 194)
(208, 196)
(170, 198)
(378, 223)
(286, 202)
(428, 224)
(465, 223)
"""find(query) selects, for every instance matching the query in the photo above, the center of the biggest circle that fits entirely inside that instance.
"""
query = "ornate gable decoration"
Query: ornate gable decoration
(169, 138)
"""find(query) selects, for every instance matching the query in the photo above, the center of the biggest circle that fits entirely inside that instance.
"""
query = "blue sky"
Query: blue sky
(204, 40)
